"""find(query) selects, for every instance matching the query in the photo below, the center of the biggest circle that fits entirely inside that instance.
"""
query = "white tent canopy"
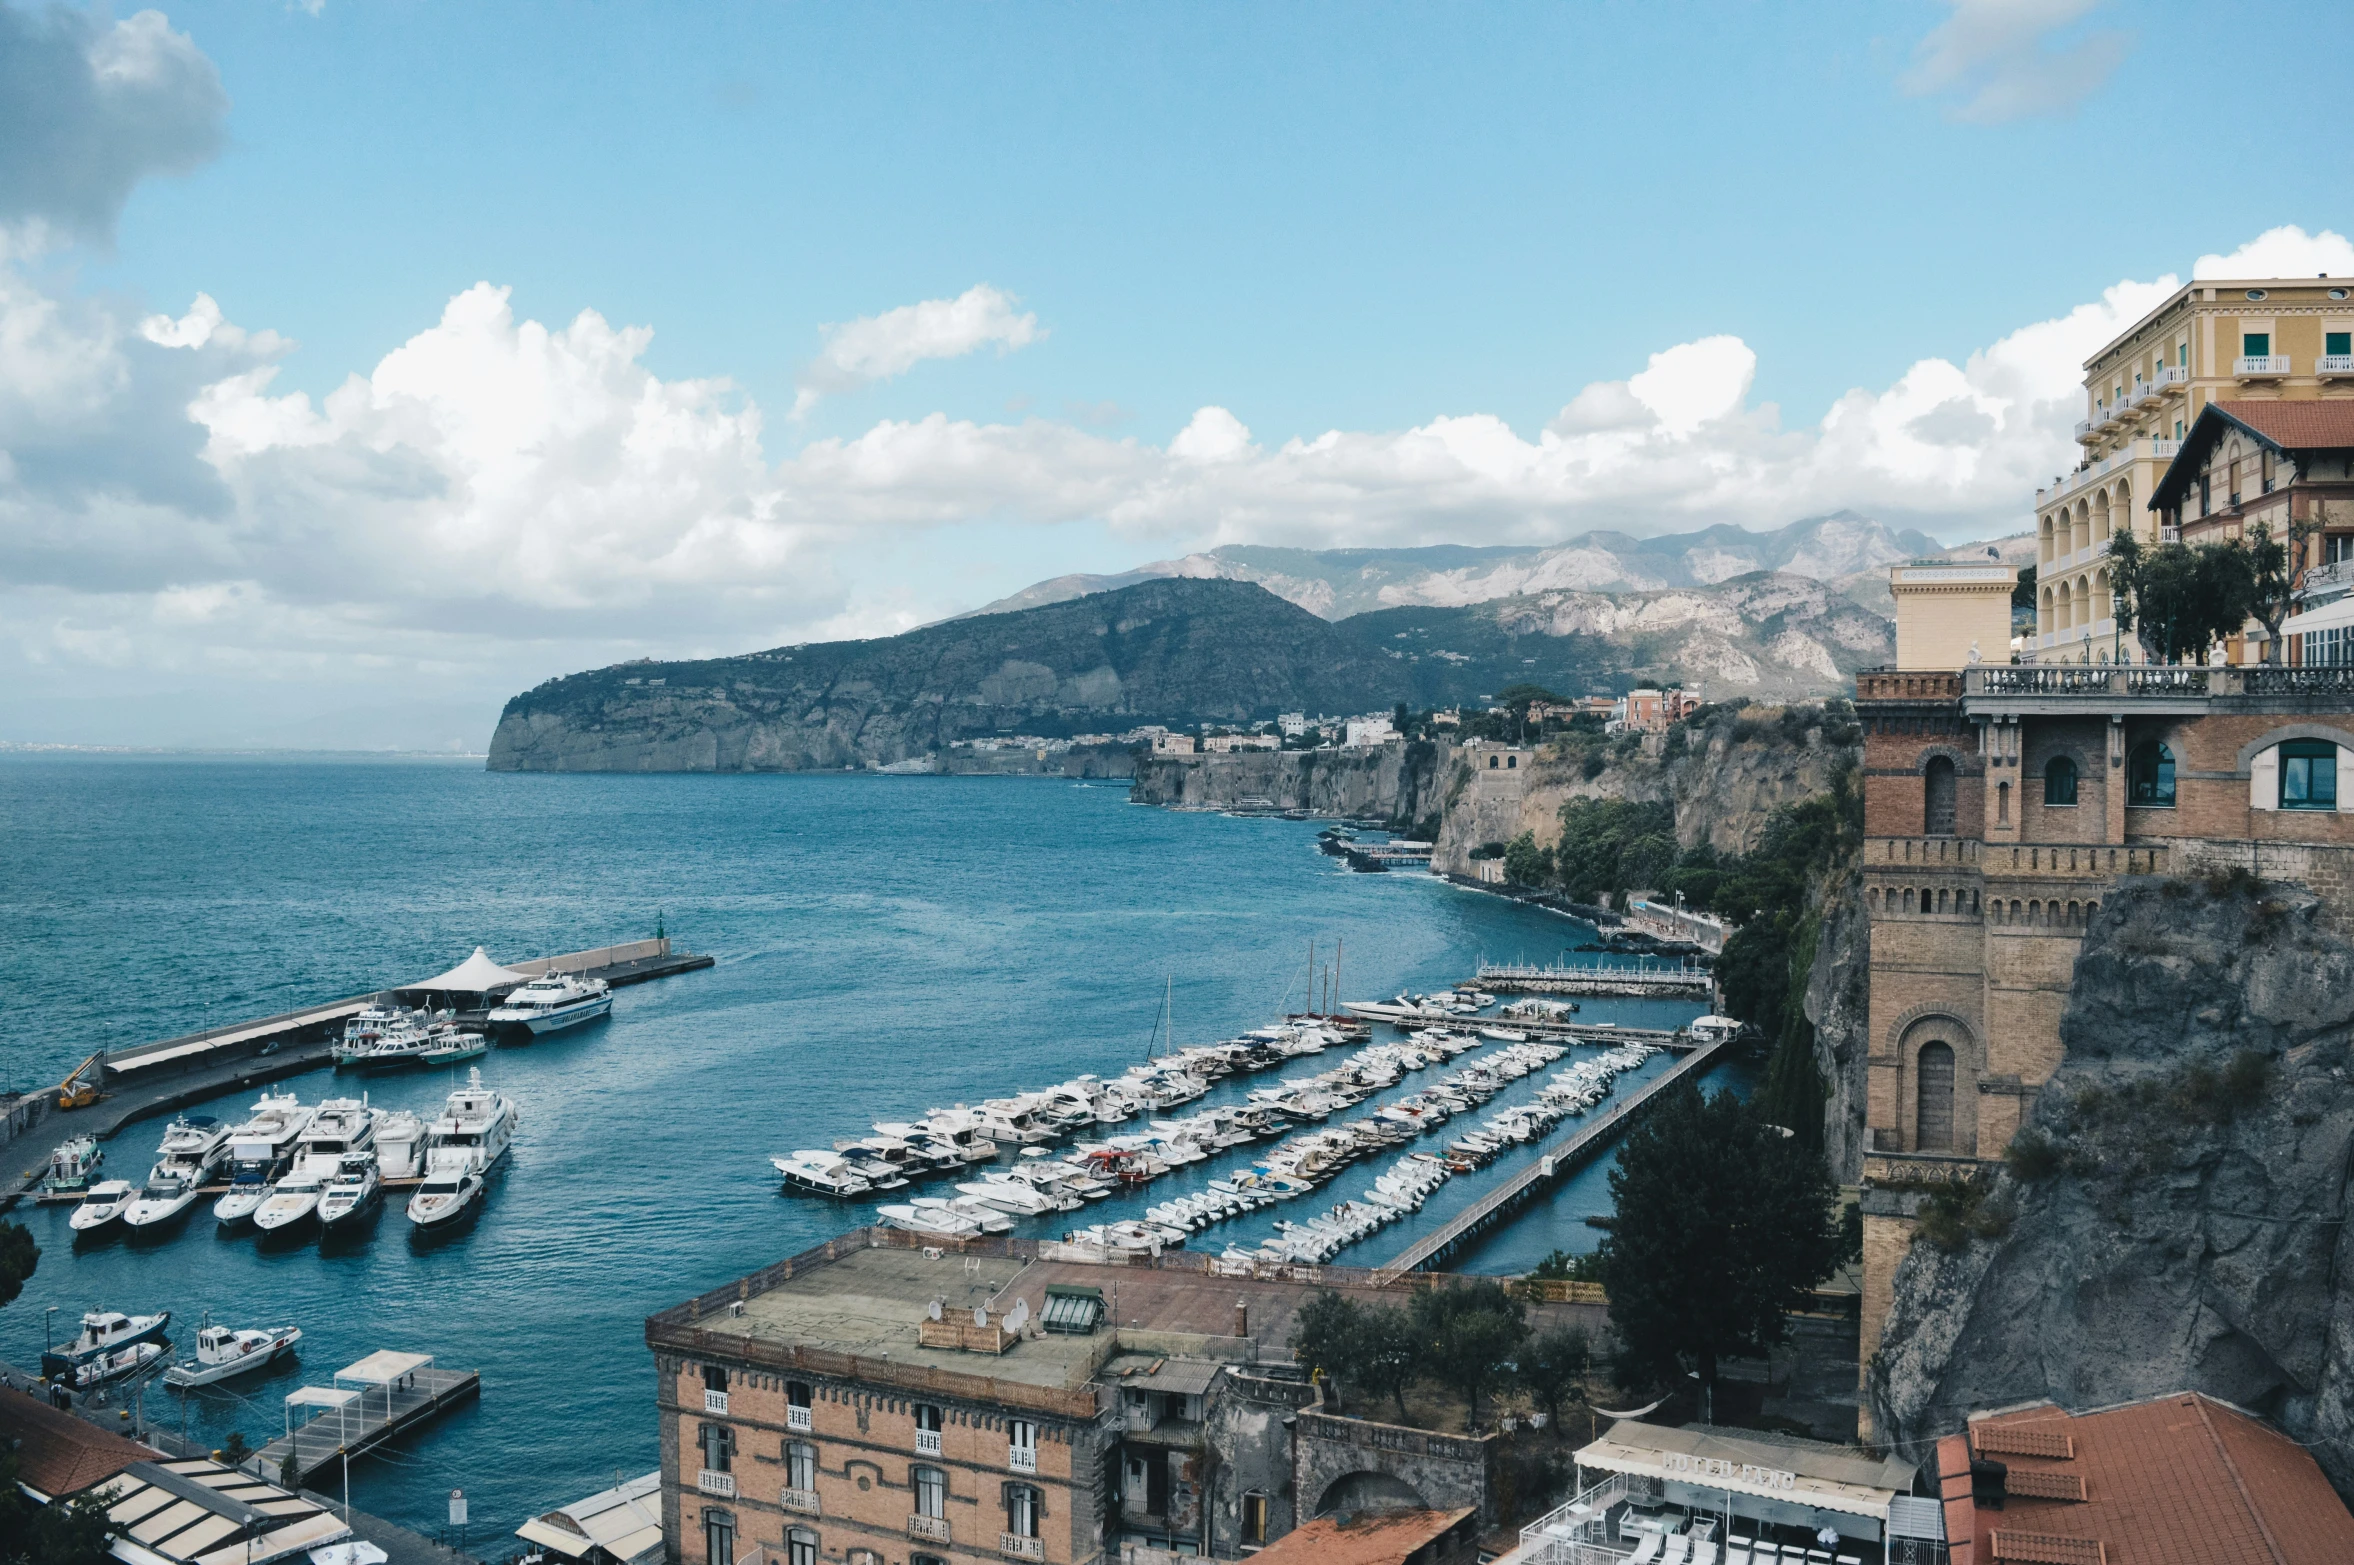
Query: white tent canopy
(478, 974)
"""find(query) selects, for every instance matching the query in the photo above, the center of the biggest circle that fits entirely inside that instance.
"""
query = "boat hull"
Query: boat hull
(183, 1377)
(443, 1215)
(515, 1029)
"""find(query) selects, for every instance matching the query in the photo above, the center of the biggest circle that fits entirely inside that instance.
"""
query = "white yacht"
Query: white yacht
(400, 1145)
(194, 1145)
(291, 1199)
(449, 1044)
(550, 1004)
(222, 1353)
(103, 1332)
(101, 1204)
(338, 1127)
(259, 1151)
(73, 1165)
(1009, 1194)
(351, 1192)
(943, 1221)
(476, 1127)
(822, 1173)
(365, 1031)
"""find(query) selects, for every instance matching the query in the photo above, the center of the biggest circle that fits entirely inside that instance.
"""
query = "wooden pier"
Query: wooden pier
(373, 1401)
(1617, 982)
(1504, 1202)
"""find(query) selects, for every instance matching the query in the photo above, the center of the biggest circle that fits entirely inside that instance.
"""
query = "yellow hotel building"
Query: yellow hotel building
(2214, 340)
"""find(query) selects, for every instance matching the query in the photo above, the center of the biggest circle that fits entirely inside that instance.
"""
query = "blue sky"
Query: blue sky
(1305, 274)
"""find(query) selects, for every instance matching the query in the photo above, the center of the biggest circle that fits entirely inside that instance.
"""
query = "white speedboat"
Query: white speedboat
(351, 1192)
(103, 1332)
(550, 1004)
(291, 1200)
(476, 1127)
(73, 1165)
(822, 1173)
(222, 1353)
(113, 1364)
(101, 1205)
(338, 1127)
(259, 1151)
(1008, 1194)
(938, 1220)
(193, 1147)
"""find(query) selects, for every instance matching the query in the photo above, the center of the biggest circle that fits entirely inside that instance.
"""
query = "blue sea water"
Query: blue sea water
(885, 946)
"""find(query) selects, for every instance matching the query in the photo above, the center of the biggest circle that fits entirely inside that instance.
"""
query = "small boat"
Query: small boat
(104, 1332)
(448, 1046)
(113, 1364)
(193, 1147)
(822, 1173)
(350, 1192)
(290, 1200)
(942, 1221)
(550, 1004)
(366, 1029)
(221, 1353)
(73, 1165)
(101, 1204)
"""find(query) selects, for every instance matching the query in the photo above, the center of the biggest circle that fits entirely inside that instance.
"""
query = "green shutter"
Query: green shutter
(2338, 342)
(2255, 344)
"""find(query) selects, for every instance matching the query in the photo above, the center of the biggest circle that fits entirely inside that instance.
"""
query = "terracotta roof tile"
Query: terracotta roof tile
(1385, 1538)
(58, 1453)
(2326, 421)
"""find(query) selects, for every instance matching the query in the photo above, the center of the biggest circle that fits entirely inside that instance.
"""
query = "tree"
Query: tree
(19, 1259)
(1370, 1349)
(2179, 600)
(2272, 580)
(1723, 1226)
(1553, 1364)
(1470, 1332)
(1526, 864)
(1610, 845)
(1322, 1330)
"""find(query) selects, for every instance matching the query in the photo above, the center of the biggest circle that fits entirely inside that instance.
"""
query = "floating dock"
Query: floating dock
(371, 1402)
(1616, 982)
(1504, 1202)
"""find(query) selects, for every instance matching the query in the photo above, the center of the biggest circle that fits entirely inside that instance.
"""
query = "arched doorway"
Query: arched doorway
(1933, 1107)
(1365, 1490)
(1937, 805)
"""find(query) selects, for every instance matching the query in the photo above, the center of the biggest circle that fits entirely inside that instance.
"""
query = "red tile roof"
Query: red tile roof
(2178, 1480)
(2299, 426)
(58, 1453)
(1380, 1538)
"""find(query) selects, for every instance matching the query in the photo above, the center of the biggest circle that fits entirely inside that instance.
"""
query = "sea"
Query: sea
(884, 945)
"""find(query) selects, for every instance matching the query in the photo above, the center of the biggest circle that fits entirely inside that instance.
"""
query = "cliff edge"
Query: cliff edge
(2173, 1213)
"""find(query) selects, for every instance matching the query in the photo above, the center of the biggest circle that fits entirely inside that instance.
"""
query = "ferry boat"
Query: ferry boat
(351, 1192)
(73, 1165)
(259, 1151)
(362, 1030)
(476, 1127)
(400, 1040)
(101, 1205)
(222, 1353)
(103, 1332)
(193, 1147)
(550, 1004)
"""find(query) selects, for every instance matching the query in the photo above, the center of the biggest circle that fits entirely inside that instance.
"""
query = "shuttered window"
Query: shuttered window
(1934, 1122)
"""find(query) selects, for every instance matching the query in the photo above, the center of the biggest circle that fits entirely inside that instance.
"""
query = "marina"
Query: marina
(1622, 981)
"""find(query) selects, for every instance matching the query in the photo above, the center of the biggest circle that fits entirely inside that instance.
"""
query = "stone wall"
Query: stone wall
(1349, 1464)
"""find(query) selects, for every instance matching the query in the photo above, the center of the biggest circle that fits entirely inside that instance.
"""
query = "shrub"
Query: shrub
(2032, 1156)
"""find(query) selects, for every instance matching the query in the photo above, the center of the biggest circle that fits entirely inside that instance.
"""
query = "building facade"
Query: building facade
(2272, 339)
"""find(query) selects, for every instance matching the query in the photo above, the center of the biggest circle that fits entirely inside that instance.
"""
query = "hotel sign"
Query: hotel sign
(1708, 1467)
(1955, 573)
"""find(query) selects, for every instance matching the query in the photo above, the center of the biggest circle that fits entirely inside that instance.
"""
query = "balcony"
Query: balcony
(721, 1484)
(2331, 366)
(2084, 434)
(2319, 580)
(2260, 366)
(2172, 381)
(927, 1442)
(1016, 1547)
(797, 1418)
(802, 1501)
(715, 1402)
(1022, 1458)
(928, 1529)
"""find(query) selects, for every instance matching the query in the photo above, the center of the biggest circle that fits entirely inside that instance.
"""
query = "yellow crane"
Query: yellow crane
(74, 1092)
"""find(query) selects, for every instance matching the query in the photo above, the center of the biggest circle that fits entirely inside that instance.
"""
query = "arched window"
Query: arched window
(2059, 782)
(800, 1547)
(1495, 763)
(1254, 1517)
(719, 1537)
(1937, 796)
(2150, 778)
(1933, 1123)
(1908, 899)
(2308, 775)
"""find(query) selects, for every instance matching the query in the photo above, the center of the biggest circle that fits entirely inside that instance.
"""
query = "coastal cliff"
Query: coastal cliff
(2174, 1211)
(1398, 782)
(1837, 1004)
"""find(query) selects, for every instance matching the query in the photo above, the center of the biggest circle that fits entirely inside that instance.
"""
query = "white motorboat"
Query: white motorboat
(943, 1221)
(73, 1165)
(821, 1173)
(101, 1204)
(338, 1127)
(1008, 1194)
(476, 1127)
(113, 1365)
(362, 1030)
(400, 1145)
(259, 1151)
(193, 1147)
(103, 1332)
(550, 1004)
(222, 1353)
(291, 1199)
(450, 1045)
(351, 1192)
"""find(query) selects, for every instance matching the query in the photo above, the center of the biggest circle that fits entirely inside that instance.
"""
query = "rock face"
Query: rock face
(1386, 782)
(1838, 1003)
(1723, 790)
(2185, 1229)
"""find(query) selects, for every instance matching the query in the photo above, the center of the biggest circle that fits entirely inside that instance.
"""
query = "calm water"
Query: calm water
(885, 946)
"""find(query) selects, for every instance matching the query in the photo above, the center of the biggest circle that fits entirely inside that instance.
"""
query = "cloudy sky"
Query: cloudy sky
(362, 363)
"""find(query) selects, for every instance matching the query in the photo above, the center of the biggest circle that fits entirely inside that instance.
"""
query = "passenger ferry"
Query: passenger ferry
(550, 1004)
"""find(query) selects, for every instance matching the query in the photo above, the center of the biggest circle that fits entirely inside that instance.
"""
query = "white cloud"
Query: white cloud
(1994, 61)
(881, 347)
(2287, 251)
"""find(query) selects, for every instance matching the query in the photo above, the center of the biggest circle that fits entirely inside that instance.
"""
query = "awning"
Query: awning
(383, 1367)
(625, 1522)
(321, 1396)
(478, 974)
(2330, 616)
(1824, 1478)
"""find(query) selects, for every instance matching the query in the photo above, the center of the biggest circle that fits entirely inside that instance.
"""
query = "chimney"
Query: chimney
(1242, 1318)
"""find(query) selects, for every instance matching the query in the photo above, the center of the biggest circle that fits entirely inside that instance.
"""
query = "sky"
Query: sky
(364, 363)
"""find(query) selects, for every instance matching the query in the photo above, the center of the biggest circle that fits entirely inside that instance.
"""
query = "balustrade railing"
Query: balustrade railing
(2261, 681)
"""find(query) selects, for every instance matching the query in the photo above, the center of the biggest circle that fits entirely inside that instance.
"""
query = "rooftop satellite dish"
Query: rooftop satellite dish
(980, 1314)
(935, 1310)
(1018, 1316)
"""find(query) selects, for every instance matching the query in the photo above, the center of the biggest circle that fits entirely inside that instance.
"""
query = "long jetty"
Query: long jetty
(156, 1078)
(1625, 981)
(1506, 1200)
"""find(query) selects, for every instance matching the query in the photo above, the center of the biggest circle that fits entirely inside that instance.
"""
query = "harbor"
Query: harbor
(1623, 981)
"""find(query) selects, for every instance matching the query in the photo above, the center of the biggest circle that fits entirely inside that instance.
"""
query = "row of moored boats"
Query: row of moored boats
(386, 1037)
(289, 1164)
(111, 1346)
